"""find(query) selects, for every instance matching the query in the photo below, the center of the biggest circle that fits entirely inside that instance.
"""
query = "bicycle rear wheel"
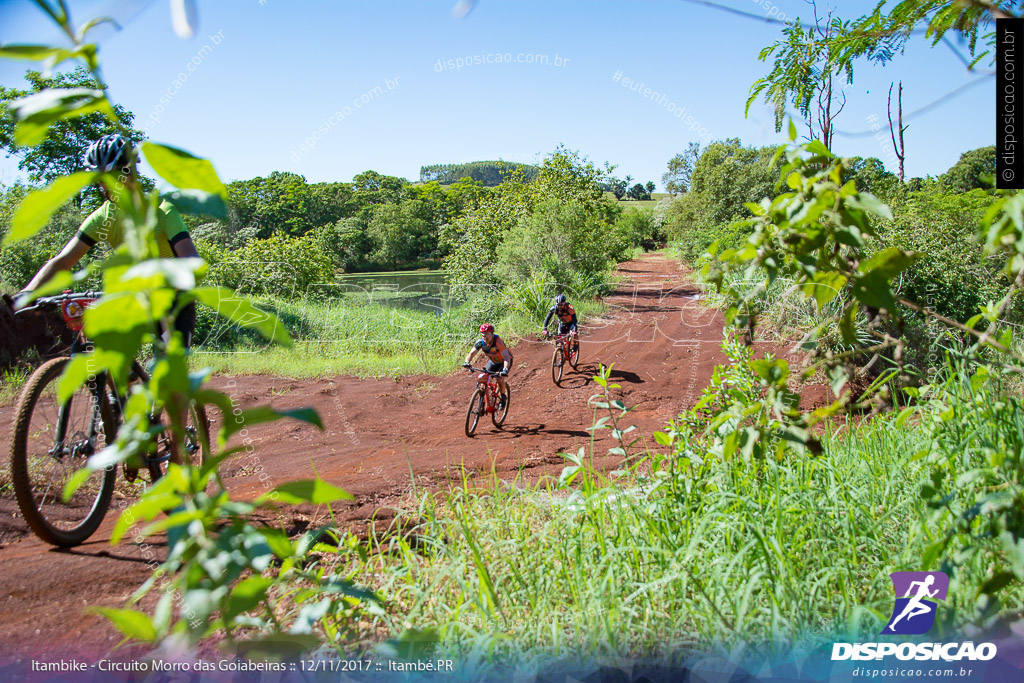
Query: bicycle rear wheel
(476, 409)
(498, 416)
(51, 442)
(556, 364)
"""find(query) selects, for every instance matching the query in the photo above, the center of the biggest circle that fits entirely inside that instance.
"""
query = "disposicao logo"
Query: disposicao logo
(913, 614)
(916, 593)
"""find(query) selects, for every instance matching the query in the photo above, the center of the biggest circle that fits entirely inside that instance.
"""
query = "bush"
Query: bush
(278, 266)
(953, 276)
(557, 240)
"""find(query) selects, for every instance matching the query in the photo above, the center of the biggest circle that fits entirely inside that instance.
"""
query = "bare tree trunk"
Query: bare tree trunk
(900, 150)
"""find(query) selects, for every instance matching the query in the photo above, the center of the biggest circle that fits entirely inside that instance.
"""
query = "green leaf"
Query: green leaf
(183, 170)
(36, 113)
(316, 491)
(136, 625)
(198, 203)
(888, 263)
(241, 311)
(792, 130)
(75, 482)
(870, 203)
(825, 286)
(37, 208)
(32, 53)
(246, 595)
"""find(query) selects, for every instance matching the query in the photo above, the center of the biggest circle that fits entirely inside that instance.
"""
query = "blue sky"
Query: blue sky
(268, 76)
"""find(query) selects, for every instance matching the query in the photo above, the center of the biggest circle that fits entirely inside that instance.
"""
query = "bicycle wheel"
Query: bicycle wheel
(476, 409)
(498, 416)
(556, 365)
(196, 448)
(574, 355)
(51, 442)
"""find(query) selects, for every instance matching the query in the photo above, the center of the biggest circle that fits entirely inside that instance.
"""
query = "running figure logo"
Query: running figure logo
(916, 592)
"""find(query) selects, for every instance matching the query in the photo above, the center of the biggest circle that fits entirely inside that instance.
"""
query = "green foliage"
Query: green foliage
(477, 242)
(952, 276)
(680, 170)
(975, 169)
(59, 153)
(975, 489)
(401, 233)
(556, 240)
(279, 265)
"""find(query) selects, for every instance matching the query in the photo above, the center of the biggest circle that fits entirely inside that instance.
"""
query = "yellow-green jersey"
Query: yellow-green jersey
(102, 225)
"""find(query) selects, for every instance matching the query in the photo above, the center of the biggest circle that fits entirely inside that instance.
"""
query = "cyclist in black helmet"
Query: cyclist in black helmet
(567, 321)
(116, 154)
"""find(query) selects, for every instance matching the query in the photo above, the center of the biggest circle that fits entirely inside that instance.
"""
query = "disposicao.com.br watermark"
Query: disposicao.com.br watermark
(460, 63)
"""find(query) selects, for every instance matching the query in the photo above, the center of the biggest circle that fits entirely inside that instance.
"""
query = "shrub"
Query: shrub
(278, 266)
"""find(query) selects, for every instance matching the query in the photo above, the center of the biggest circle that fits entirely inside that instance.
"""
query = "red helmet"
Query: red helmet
(486, 327)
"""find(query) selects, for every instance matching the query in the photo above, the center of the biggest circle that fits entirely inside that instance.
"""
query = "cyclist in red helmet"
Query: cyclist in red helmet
(500, 358)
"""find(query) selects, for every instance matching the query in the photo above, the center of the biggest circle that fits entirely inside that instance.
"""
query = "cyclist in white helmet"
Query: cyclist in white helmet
(116, 153)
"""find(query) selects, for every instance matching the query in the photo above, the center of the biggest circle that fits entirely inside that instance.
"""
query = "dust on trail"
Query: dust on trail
(664, 345)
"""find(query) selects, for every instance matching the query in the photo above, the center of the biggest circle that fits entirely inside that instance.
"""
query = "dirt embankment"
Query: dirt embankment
(664, 345)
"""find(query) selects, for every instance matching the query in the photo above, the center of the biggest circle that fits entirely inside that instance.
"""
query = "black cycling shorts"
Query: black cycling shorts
(497, 365)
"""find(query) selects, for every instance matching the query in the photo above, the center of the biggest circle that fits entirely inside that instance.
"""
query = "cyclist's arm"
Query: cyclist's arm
(574, 323)
(471, 356)
(71, 254)
(551, 312)
(184, 247)
(506, 355)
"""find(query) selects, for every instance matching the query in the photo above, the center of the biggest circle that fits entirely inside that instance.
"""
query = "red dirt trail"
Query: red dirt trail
(664, 345)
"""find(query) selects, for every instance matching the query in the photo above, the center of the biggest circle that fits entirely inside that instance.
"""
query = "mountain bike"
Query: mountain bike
(485, 399)
(52, 440)
(567, 348)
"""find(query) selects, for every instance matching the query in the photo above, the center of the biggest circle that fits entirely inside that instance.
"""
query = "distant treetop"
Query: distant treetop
(490, 173)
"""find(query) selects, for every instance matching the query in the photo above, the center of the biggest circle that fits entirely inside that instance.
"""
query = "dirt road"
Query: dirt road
(664, 345)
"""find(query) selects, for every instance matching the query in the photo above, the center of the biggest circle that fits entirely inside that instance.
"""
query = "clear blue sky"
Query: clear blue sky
(282, 68)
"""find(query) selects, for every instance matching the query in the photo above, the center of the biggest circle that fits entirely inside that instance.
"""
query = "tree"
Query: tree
(639, 192)
(806, 72)
(617, 188)
(400, 233)
(650, 188)
(60, 152)
(966, 174)
(680, 170)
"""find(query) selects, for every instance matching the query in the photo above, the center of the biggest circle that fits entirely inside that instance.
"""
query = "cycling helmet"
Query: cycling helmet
(486, 327)
(108, 153)
(560, 299)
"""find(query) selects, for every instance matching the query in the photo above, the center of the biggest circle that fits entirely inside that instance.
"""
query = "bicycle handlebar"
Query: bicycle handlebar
(492, 374)
(48, 301)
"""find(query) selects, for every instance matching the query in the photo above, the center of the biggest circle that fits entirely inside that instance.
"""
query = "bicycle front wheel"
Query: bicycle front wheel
(556, 365)
(51, 442)
(476, 409)
(574, 355)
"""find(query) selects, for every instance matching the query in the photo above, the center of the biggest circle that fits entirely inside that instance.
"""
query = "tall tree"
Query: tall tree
(680, 170)
(60, 152)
